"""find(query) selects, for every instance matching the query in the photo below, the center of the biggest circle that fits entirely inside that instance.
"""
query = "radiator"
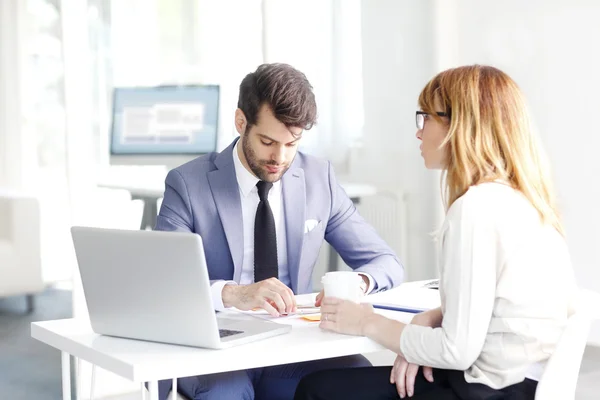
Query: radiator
(387, 212)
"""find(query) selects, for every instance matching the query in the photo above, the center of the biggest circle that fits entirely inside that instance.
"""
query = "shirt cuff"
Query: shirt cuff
(371, 284)
(217, 290)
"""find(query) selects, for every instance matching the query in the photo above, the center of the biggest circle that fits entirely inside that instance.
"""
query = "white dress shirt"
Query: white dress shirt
(249, 199)
(506, 288)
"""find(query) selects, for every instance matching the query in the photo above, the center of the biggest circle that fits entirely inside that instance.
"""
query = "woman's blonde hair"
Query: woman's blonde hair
(490, 137)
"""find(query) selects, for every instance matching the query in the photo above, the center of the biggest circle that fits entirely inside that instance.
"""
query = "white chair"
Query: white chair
(20, 257)
(559, 380)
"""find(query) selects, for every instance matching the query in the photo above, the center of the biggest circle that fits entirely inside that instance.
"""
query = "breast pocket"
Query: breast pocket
(310, 225)
(314, 235)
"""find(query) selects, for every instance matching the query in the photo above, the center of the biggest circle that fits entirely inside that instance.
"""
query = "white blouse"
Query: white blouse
(506, 286)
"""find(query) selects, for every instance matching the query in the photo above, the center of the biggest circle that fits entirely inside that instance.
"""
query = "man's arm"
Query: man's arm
(176, 215)
(176, 210)
(358, 243)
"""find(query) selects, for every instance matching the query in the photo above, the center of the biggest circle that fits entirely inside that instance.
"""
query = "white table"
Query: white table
(149, 187)
(141, 361)
(153, 186)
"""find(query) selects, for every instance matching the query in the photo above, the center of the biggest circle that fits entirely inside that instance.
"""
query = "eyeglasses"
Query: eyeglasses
(420, 118)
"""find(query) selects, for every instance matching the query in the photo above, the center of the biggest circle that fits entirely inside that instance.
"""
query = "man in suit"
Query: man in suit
(263, 210)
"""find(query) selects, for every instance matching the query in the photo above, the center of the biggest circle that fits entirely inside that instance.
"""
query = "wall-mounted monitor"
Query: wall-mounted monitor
(163, 125)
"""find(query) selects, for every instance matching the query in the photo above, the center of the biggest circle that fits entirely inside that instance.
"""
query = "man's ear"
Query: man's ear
(240, 121)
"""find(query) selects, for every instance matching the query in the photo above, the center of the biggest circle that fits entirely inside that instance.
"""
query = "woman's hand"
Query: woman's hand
(344, 316)
(319, 298)
(404, 375)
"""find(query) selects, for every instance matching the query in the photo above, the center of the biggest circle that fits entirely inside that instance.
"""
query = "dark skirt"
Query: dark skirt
(374, 383)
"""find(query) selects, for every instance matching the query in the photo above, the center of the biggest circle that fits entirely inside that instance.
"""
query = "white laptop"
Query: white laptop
(153, 285)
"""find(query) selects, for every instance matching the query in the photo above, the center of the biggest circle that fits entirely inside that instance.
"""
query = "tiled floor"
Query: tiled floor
(30, 369)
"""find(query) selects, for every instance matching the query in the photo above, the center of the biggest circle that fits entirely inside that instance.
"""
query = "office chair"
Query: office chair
(559, 379)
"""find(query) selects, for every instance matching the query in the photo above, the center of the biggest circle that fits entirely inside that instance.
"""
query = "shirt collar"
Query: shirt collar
(246, 180)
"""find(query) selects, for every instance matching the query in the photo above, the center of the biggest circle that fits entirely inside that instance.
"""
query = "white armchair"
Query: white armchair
(20, 259)
(559, 380)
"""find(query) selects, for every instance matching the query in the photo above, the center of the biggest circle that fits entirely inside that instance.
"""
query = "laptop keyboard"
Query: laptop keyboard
(228, 332)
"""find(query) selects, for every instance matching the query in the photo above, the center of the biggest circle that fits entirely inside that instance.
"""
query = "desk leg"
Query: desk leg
(93, 386)
(153, 388)
(174, 389)
(78, 380)
(149, 213)
(66, 375)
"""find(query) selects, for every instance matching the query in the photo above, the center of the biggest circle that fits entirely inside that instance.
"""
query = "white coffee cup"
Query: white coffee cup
(344, 285)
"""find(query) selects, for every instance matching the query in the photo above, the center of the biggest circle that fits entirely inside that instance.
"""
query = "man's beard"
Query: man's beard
(255, 164)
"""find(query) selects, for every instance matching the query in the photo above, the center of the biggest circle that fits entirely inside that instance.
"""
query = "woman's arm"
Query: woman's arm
(471, 254)
(431, 318)
(383, 330)
(359, 319)
(387, 331)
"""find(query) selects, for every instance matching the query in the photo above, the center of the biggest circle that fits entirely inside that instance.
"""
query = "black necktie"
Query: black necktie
(265, 239)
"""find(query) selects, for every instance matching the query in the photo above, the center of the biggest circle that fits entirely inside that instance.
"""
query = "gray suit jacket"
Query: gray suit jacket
(203, 197)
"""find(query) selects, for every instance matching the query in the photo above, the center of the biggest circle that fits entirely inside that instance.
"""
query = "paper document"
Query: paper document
(301, 309)
(434, 284)
(312, 318)
(410, 295)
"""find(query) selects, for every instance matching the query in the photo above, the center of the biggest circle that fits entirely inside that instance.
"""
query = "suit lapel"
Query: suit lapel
(294, 202)
(225, 191)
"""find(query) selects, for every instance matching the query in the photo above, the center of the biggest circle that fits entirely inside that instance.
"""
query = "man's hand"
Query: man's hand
(271, 295)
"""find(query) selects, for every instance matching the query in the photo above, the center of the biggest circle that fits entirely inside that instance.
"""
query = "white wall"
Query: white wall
(12, 138)
(398, 59)
(550, 47)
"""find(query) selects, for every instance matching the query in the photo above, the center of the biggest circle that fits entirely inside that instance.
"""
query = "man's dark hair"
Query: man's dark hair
(284, 89)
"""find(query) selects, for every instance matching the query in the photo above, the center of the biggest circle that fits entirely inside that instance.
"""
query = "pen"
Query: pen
(392, 307)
